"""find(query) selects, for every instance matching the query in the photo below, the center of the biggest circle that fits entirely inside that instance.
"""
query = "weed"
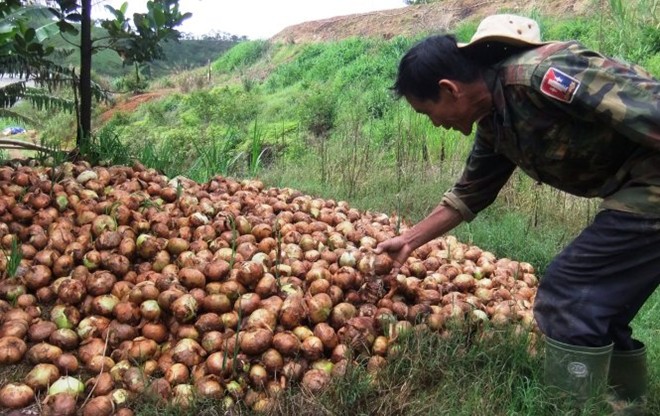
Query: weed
(13, 258)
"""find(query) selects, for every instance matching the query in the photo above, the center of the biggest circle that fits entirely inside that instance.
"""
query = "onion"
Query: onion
(99, 406)
(250, 273)
(190, 278)
(188, 352)
(159, 388)
(292, 312)
(142, 349)
(286, 343)
(150, 310)
(134, 380)
(12, 350)
(341, 313)
(272, 360)
(262, 318)
(65, 338)
(209, 387)
(156, 331)
(247, 303)
(258, 375)
(67, 364)
(14, 328)
(255, 341)
(184, 308)
(60, 404)
(319, 307)
(100, 385)
(183, 395)
(315, 380)
(40, 330)
(177, 374)
(16, 395)
(66, 384)
(327, 335)
(312, 348)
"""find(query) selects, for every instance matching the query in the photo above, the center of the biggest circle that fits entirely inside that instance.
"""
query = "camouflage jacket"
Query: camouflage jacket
(572, 119)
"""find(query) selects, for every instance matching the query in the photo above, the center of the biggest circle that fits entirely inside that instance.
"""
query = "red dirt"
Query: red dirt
(130, 103)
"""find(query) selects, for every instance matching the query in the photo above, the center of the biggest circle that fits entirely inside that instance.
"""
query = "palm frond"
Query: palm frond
(41, 71)
(44, 101)
(7, 113)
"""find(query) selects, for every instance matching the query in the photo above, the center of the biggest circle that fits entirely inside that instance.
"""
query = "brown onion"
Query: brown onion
(99, 406)
(16, 395)
(12, 350)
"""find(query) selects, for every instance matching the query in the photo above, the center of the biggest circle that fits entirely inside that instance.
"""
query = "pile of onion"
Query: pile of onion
(131, 284)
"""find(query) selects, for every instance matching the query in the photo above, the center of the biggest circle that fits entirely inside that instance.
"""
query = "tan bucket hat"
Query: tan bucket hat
(507, 28)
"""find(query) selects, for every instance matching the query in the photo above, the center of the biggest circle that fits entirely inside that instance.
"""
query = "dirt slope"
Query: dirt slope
(411, 20)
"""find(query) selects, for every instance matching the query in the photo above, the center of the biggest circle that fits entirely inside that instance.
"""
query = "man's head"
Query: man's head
(443, 79)
(429, 61)
(438, 81)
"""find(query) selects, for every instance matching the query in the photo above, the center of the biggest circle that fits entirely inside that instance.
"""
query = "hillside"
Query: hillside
(411, 20)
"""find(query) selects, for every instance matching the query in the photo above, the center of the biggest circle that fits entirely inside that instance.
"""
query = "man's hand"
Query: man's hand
(397, 248)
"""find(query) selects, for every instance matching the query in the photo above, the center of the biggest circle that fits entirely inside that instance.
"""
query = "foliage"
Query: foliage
(140, 40)
(23, 57)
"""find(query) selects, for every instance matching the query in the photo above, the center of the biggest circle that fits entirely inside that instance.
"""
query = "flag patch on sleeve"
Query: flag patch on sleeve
(559, 85)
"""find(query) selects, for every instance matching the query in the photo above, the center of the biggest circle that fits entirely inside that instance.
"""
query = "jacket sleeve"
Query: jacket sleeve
(621, 95)
(483, 177)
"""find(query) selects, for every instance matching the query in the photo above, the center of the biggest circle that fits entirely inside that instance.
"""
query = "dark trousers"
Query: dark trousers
(597, 284)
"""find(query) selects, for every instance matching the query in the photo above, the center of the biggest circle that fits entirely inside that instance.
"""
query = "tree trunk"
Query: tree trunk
(85, 127)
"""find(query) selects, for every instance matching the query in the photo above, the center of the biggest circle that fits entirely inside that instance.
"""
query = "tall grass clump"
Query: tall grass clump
(240, 56)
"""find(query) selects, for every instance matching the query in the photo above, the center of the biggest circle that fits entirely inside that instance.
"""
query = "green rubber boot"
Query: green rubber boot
(628, 379)
(628, 375)
(576, 371)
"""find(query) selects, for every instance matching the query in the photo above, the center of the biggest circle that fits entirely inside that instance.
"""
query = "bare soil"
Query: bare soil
(411, 20)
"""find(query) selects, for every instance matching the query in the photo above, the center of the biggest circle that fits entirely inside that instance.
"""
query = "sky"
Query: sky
(256, 19)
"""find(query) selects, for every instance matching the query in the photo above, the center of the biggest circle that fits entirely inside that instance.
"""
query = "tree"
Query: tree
(135, 42)
(22, 50)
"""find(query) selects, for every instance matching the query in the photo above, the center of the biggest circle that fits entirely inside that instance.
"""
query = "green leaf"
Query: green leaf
(6, 27)
(29, 35)
(47, 31)
(74, 17)
(67, 27)
(159, 16)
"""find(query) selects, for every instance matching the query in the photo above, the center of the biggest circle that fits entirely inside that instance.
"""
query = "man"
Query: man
(577, 121)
